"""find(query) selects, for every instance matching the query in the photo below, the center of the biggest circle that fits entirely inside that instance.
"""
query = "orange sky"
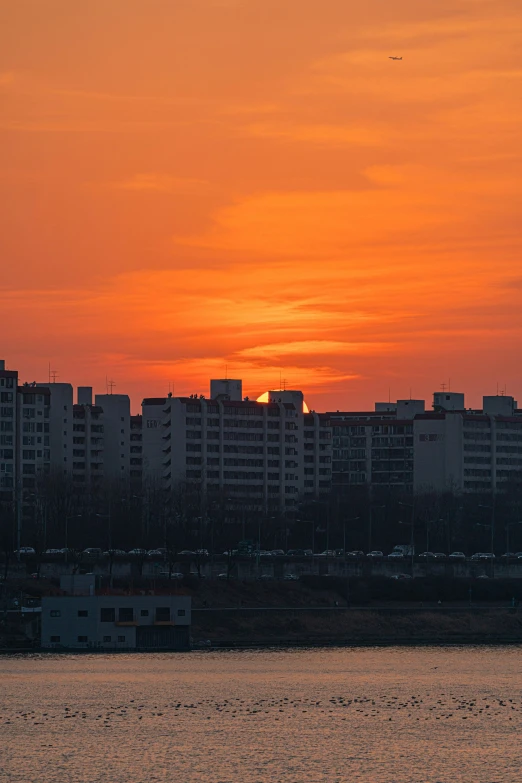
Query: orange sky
(191, 184)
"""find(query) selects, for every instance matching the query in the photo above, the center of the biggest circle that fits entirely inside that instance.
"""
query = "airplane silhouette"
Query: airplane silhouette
(394, 58)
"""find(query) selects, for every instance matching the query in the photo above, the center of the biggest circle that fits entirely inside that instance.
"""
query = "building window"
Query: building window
(55, 613)
(107, 638)
(144, 612)
(55, 639)
(82, 639)
(162, 614)
(181, 613)
(83, 613)
(121, 638)
(107, 615)
(126, 615)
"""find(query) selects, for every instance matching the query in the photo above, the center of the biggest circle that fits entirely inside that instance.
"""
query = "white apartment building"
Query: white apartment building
(61, 426)
(248, 452)
(152, 415)
(88, 444)
(33, 436)
(468, 450)
(136, 450)
(8, 433)
(116, 420)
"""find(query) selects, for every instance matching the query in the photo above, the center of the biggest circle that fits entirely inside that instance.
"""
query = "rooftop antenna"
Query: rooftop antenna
(284, 384)
(449, 384)
(443, 386)
(389, 394)
(53, 375)
(110, 386)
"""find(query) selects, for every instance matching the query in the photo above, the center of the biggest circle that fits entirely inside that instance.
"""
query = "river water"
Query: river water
(273, 716)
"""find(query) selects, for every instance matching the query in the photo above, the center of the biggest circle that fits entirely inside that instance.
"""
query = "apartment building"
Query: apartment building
(152, 415)
(33, 436)
(60, 426)
(245, 451)
(136, 450)
(8, 433)
(116, 419)
(375, 448)
(468, 450)
(88, 444)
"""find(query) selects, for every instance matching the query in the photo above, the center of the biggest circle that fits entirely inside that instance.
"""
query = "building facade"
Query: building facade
(114, 622)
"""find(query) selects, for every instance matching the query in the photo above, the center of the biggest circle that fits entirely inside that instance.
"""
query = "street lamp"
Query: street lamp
(412, 523)
(353, 519)
(492, 524)
(370, 525)
(67, 518)
(508, 525)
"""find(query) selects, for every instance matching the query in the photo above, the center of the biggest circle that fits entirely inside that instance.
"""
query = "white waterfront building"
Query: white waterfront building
(115, 622)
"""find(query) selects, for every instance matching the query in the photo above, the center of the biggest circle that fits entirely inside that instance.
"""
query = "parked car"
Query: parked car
(327, 553)
(25, 550)
(482, 576)
(508, 556)
(401, 576)
(439, 556)
(395, 555)
(93, 551)
(137, 552)
(291, 577)
(190, 552)
(199, 576)
(114, 553)
(155, 553)
(457, 556)
(355, 554)
(266, 576)
(339, 552)
(487, 556)
(375, 553)
(278, 552)
(225, 576)
(52, 552)
(174, 575)
(201, 552)
(309, 552)
(427, 556)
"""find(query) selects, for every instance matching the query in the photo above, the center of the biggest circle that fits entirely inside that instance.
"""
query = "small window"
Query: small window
(126, 615)
(121, 638)
(55, 613)
(144, 612)
(82, 639)
(162, 614)
(55, 639)
(107, 638)
(107, 615)
(181, 613)
(83, 613)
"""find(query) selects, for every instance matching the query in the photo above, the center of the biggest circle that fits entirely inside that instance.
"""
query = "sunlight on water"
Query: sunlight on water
(395, 715)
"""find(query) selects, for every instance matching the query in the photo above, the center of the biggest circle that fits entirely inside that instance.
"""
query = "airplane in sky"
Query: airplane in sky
(394, 58)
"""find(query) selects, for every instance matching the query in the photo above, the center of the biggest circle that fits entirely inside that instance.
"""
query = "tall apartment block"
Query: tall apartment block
(8, 433)
(116, 417)
(246, 451)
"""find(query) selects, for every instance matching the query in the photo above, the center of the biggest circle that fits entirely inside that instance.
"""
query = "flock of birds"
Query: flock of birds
(443, 706)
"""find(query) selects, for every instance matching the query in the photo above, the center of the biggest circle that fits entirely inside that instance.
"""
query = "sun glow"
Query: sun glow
(265, 398)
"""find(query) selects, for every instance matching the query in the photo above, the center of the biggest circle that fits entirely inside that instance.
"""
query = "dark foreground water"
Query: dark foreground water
(394, 715)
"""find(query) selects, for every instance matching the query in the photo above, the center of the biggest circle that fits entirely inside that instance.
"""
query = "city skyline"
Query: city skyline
(186, 191)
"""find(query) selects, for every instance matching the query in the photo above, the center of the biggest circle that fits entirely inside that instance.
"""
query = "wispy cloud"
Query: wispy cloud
(162, 183)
